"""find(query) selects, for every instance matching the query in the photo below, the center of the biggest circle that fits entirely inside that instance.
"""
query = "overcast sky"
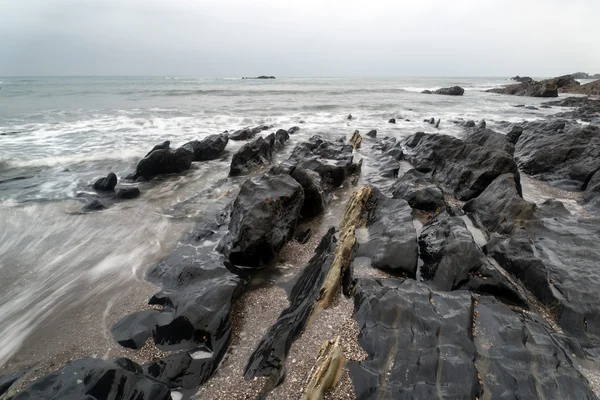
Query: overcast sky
(299, 38)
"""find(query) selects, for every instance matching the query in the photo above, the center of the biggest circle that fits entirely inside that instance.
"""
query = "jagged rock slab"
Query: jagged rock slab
(210, 148)
(251, 155)
(490, 138)
(467, 169)
(392, 238)
(574, 155)
(553, 253)
(518, 358)
(419, 191)
(95, 379)
(263, 219)
(418, 342)
(452, 261)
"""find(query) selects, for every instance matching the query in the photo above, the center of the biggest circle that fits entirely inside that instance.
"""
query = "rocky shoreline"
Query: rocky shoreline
(460, 287)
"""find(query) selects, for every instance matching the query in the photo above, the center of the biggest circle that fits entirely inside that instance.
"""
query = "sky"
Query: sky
(221, 38)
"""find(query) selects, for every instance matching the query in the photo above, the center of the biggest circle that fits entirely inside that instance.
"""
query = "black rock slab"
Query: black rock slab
(316, 195)
(419, 191)
(418, 342)
(210, 148)
(574, 154)
(263, 219)
(268, 359)
(392, 238)
(95, 379)
(518, 358)
(490, 138)
(6, 381)
(251, 155)
(465, 168)
(452, 261)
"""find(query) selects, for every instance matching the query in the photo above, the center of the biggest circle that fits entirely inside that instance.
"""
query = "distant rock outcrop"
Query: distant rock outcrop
(259, 77)
(451, 91)
(529, 87)
(585, 75)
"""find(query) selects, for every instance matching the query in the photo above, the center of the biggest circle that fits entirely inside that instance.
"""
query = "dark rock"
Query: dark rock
(263, 219)
(417, 340)
(467, 169)
(127, 193)
(419, 191)
(94, 205)
(164, 161)
(470, 124)
(587, 109)
(392, 242)
(524, 79)
(251, 155)
(372, 133)
(489, 138)
(529, 87)
(391, 121)
(6, 381)
(517, 358)
(303, 236)
(243, 134)
(268, 359)
(426, 91)
(452, 260)
(349, 117)
(515, 134)
(106, 184)
(451, 91)
(259, 77)
(95, 379)
(389, 167)
(209, 148)
(293, 130)
(316, 196)
(163, 146)
(482, 124)
(500, 208)
(437, 124)
(281, 137)
(575, 152)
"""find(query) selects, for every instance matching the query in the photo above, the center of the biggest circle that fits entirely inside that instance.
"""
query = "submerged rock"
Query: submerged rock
(94, 205)
(466, 168)
(164, 161)
(263, 219)
(95, 379)
(293, 130)
(106, 184)
(209, 148)
(127, 193)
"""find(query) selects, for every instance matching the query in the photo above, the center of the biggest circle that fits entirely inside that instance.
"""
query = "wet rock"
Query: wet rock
(417, 340)
(452, 260)
(251, 155)
(106, 184)
(467, 169)
(575, 152)
(372, 133)
(500, 208)
(293, 130)
(6, 381)
(451, 91)
(95, 379)
(470, 124)
(490, 138)
(356, 140)
(127, 193)
(243, 134)
(164, 161)
(419, 191)
(437, 124)
(389, 167)
(210, 148)
(316, 195)
(163, 146)
(349, 117)
(532, 89)
(427, 91)
(518, 358)
(392, 239)
(327, 371)
(332, 161)
(303, 236)
(281, 137)
(514, 134)
(586, 109)
(94, 205)
(263, 219)
(481, 124)
(546, 255)
(392, 120)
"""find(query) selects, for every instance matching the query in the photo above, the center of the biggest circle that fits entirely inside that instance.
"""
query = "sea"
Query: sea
(60, 268)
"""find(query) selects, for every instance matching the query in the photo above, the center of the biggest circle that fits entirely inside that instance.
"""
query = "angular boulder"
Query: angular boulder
(106, 184)
(490, 138)
(164, 161)
(252, 155)
(210, 148)
(419, 191)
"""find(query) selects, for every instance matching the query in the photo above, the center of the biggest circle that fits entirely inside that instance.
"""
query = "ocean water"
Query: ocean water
(58, 135)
